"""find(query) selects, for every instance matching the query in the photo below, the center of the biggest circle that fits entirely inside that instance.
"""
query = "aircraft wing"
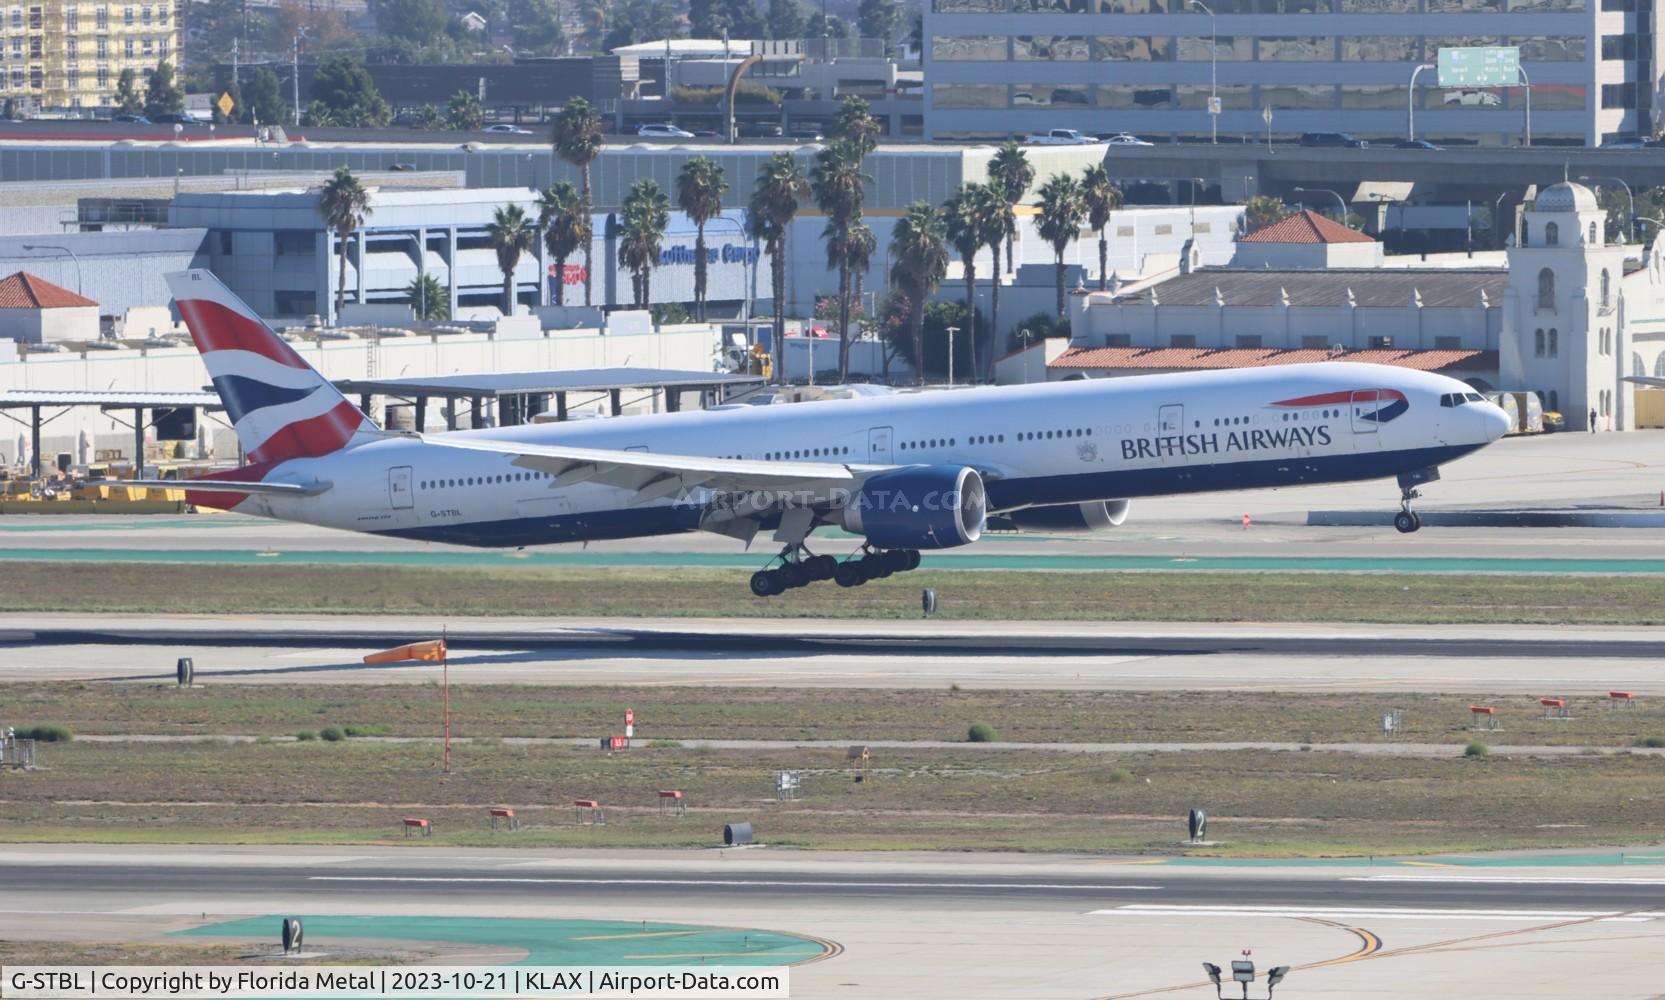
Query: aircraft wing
(1655, 381)
(228, 486)
(654, 476)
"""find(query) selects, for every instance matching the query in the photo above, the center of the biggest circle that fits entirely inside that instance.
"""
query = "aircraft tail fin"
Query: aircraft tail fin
(280, 406)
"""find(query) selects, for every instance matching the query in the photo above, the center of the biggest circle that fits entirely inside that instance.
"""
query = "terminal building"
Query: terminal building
(1150, 67)
(1566, 315)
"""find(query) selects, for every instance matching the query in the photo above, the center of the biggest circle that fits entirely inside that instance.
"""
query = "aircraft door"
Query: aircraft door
(1170, 419)
(399, 494)
(879, 445)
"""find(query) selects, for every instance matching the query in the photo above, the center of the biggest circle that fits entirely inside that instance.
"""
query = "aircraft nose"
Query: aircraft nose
(1495, 421)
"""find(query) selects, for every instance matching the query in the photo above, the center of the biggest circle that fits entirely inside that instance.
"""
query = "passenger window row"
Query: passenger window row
(1072, 432)
(776, 456)
(512, 477)
(1312, 415)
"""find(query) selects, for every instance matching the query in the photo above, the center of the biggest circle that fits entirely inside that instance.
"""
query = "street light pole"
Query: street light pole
(951, 331)
(1213, 72)
(1410, 102)
(1630, 201)
(1338, 200)
(67, 250)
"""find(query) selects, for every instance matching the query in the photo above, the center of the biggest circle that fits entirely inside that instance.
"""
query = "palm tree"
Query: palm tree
(699, 193)
(1012, 173)
(428, 298)
(918, 261)
(510, 234)
(1061, 212)
(1101, 198)
(856, 125)
(970, 219)
(344, 205)
(577, 140)
(564, 220)
(860, 249)
(1002, 220)
(837, 181)
(646, 214)
(774, 204)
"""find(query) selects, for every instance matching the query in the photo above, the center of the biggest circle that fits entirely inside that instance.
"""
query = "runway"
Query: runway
(831, 654)
(930, 925)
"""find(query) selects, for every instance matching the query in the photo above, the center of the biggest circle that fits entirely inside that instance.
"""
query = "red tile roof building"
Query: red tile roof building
(22, 290)
(1306, 227)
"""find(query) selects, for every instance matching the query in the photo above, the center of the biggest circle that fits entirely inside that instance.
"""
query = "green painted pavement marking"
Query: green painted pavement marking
(93, 522)
(1642, 856)
(551, 942)
(478, 558)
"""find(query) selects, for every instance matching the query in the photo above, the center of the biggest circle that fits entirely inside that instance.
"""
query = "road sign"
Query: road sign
(1488, 66)
(225, 104)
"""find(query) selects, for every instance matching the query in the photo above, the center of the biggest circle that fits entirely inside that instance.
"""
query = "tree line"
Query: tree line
(981, 214)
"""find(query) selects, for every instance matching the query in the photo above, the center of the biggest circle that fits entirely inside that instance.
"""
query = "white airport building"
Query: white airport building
(1566, 315)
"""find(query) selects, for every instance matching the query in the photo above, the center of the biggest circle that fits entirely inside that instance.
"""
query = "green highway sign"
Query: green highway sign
(1490, 66)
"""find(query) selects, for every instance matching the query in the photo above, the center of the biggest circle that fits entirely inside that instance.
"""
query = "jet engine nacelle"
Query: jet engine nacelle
(926, 507)
(1099, 515)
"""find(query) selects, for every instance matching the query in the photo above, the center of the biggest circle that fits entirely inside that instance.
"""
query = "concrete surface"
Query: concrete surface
(1510, 659)
(935, 925)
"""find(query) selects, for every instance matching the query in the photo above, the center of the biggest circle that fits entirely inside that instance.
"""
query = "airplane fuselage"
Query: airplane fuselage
(1057, 443)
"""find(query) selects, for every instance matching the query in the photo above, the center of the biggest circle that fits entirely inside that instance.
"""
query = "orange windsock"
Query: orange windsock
(433, 649)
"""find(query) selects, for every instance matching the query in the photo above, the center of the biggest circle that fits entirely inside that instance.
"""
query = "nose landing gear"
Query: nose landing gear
(1407, 521)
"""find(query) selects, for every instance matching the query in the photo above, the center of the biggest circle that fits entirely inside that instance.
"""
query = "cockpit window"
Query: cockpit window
(1450, 399)
(1474, 397)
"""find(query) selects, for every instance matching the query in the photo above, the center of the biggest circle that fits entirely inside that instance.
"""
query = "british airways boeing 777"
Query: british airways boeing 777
(907, 472)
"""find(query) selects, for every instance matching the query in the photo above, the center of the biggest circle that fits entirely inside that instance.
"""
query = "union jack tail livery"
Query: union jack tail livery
(279, 405)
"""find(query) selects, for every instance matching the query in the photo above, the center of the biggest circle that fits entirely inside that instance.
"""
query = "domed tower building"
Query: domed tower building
(1565, 311)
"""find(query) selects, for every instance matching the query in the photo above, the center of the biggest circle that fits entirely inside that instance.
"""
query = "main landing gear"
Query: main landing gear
(798, 568)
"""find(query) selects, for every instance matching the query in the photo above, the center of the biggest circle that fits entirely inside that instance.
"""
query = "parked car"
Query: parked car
(1415, 144)
(707, 133)
(504, 128)
(1626, 142)
(400, 168)
(131, 119)
(1472, 98)
(177, 118)
(1320, 140)
(806, 133)
(663, 132)
(1124, 139)
(1060, 137)
(760, 130)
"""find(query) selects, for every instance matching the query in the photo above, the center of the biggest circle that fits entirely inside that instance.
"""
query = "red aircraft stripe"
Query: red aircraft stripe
(312, 437)
(215, 327)
(227, 501)
(1345, 396)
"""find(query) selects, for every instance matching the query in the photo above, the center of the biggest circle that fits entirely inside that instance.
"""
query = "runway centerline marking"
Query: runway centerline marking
(1375, 913)
(730, 882)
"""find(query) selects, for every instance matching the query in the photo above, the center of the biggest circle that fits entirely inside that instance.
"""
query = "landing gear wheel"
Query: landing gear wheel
(896, 561)
(875, 566)
(794, 574)
(914, 559)
(1406, 522)
(822, 567)
(766, 583)
(849, 574)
